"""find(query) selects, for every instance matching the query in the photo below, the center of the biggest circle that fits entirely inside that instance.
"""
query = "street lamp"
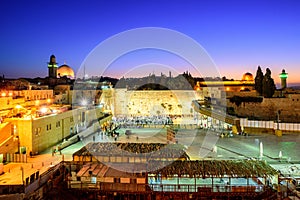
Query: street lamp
(18, 107)
(278, 120)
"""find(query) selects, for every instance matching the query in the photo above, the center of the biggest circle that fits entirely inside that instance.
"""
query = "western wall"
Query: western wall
(154, 102)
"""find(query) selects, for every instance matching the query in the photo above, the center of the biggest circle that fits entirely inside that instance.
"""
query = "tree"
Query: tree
(269, 87)
(259, 81)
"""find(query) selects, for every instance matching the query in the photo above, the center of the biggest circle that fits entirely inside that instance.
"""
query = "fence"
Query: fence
(13, 157)
(290, 127)
(39, 180)
(190, 188)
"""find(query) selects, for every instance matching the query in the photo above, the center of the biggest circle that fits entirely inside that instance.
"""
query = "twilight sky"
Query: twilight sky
(238, 35)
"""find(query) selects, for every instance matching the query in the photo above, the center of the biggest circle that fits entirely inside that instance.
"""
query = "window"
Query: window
(71, 119)
(57, 124)
(48, 127)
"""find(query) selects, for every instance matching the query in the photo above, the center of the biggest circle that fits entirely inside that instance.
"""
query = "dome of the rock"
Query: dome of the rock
(247, 77)
(65, 70)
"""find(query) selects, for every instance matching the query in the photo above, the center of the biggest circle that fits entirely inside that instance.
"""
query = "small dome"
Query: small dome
(65, 70)
(247, 77)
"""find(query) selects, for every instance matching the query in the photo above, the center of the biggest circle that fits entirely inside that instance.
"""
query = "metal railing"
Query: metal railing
(126, 187)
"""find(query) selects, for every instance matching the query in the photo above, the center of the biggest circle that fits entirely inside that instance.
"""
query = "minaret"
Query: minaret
(283, 76)
(52, 66)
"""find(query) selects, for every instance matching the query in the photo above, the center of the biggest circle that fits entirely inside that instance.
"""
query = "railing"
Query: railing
(206, 188)
(167, 187)
(269, 125)
(42, 179)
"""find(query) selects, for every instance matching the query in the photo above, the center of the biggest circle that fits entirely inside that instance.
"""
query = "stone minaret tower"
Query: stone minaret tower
(283, 76)
(52, 66)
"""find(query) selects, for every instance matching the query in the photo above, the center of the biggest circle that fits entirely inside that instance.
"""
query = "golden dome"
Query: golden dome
(247, 77)
(65, 70)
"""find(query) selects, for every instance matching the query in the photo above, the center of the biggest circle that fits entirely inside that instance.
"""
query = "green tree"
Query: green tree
(269, 87)
(259, 81)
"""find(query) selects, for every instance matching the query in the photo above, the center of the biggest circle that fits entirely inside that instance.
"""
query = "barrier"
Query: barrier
(288, 127)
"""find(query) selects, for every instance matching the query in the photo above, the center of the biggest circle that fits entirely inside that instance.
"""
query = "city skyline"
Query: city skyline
(238, 36)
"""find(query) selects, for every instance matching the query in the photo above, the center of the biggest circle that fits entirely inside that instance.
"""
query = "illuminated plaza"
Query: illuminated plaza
(233, 157)
(149, 100)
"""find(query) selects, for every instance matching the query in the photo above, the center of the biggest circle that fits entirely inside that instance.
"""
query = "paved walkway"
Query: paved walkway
(201, 144)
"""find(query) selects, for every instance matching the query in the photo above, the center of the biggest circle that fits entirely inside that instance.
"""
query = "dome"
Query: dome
(65, 70)
(247, 77)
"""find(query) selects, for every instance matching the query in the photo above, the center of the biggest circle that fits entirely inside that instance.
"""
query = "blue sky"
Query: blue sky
(238, 35)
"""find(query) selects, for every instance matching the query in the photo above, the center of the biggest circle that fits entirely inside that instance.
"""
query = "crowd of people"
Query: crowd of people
(140, 121)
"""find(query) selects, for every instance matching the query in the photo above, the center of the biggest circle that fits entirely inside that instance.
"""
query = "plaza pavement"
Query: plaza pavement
(200, 144)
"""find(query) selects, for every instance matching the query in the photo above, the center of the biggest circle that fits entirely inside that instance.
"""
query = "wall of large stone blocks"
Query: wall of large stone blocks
(267, 110)
(154, 102)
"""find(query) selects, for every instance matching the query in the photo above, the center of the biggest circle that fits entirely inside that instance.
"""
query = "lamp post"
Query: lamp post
(278, 120)
(18, 107)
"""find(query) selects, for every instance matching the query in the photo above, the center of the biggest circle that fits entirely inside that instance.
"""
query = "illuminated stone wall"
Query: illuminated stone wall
(154, 102)
(267, 110)
(37, 94)
(7, 139)
(38, 134)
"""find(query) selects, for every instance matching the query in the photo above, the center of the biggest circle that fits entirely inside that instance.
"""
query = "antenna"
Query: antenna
(83, 72)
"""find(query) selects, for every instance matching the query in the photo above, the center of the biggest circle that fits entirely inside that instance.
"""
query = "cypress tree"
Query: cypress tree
(269, 87)
(259, 81)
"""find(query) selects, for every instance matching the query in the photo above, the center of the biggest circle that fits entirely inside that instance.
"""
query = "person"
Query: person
(53, 151)
(59, 149)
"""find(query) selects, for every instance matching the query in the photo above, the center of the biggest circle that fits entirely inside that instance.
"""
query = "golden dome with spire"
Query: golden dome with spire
(65, 70)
